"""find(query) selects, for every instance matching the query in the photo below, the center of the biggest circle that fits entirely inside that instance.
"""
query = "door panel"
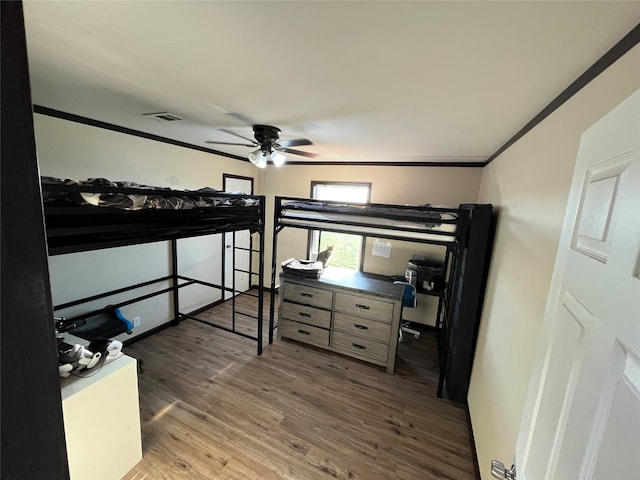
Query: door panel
(565, 351)
(619, 420)
(594, 214)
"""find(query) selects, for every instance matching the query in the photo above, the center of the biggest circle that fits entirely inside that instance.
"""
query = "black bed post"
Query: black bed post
(274, 256)
(261, 276)
(457, 266)
(174, 281)
(272, 306)
(33, 441)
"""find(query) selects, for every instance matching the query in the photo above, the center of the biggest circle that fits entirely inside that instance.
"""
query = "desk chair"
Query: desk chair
(408, 301)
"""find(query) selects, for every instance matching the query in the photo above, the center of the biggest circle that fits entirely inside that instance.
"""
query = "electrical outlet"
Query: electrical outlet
(136, 321)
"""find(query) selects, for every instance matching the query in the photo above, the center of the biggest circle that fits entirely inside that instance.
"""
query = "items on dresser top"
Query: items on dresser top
(302, 268)
(82, 358)
(348, 312)
(425, 273)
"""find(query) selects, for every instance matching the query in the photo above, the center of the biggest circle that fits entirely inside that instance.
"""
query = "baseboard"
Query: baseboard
(167, 324)
(428, 328)
(171, 323)
(206, 307)
(474, 453)
(148, 333)
(421, 327)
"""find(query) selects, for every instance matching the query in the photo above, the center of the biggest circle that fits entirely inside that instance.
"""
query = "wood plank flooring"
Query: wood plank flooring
(212, 409)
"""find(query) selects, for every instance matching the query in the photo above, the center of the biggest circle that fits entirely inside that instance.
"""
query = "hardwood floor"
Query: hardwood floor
(212, 409)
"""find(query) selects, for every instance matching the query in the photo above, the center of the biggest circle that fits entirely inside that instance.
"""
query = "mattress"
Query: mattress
(98, 213)
(427, 223)
(126, 195)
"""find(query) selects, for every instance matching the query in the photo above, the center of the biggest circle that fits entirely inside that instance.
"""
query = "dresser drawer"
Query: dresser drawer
(303, 333)
(305, 314)
(362, 327)
(366, 307)
(360, 347)
(307, 295)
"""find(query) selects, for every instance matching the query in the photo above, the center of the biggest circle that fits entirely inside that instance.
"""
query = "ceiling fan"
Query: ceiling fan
(269, 146)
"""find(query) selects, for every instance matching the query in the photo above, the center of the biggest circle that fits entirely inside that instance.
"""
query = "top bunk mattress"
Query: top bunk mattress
(424, 222)
(98, 213)
(125, 195)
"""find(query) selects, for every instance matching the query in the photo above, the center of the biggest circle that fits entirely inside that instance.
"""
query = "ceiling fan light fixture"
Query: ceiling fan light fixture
(277, 158)
(258, 158)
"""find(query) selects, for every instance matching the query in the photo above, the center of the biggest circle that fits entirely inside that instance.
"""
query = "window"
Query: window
(347, 248)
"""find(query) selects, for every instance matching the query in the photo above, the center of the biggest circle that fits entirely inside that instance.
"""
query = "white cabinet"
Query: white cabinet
(102, 421)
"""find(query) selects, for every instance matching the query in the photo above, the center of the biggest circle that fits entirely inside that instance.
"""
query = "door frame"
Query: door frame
(30, 382)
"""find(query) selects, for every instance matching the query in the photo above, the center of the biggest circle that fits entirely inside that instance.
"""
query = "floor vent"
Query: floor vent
(163, 116)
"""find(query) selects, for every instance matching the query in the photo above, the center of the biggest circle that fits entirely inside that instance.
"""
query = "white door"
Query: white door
(582, 418)
(242, 240)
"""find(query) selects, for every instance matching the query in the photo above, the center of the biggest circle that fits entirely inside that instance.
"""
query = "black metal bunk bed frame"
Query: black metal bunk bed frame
(453, 262)
(64, 236)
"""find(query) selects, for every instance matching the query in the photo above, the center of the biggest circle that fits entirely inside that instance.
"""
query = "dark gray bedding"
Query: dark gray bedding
(126, 195)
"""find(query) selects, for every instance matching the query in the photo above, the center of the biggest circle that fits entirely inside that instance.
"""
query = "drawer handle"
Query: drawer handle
(302, 314)
(359, 347)
(304, 332)
(363, 307)
(361, 327)
(309, 295)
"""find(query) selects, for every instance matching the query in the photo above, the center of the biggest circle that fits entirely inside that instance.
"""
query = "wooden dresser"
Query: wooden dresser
(347, 312)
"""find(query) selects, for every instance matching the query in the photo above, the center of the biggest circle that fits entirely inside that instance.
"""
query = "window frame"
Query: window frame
(310, 233)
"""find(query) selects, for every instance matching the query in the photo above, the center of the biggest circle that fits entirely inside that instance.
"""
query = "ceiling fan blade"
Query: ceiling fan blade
(297, 142)
(298, 152)
(253, 143)
(231, 143)
(242, 118)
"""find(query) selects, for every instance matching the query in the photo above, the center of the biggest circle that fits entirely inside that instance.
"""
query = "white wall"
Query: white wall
(68, 149)
(530, 184)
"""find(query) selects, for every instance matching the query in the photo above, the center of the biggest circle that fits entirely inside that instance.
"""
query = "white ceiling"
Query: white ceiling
(385, 81)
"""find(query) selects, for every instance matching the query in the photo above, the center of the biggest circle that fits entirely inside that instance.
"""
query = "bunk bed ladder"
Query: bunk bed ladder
(251, 273)
(233, 289)
(273, 289)
(277, 228)
(455, 251)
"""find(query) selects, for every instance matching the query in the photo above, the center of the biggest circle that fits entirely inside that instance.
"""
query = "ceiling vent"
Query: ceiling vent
(163, 116)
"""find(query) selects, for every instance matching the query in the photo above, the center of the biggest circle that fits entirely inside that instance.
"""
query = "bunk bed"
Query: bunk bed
(98, 214)
(421, 223)
(464, 231)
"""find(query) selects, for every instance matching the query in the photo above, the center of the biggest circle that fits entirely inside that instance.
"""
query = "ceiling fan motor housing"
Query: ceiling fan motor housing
(266, 135)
